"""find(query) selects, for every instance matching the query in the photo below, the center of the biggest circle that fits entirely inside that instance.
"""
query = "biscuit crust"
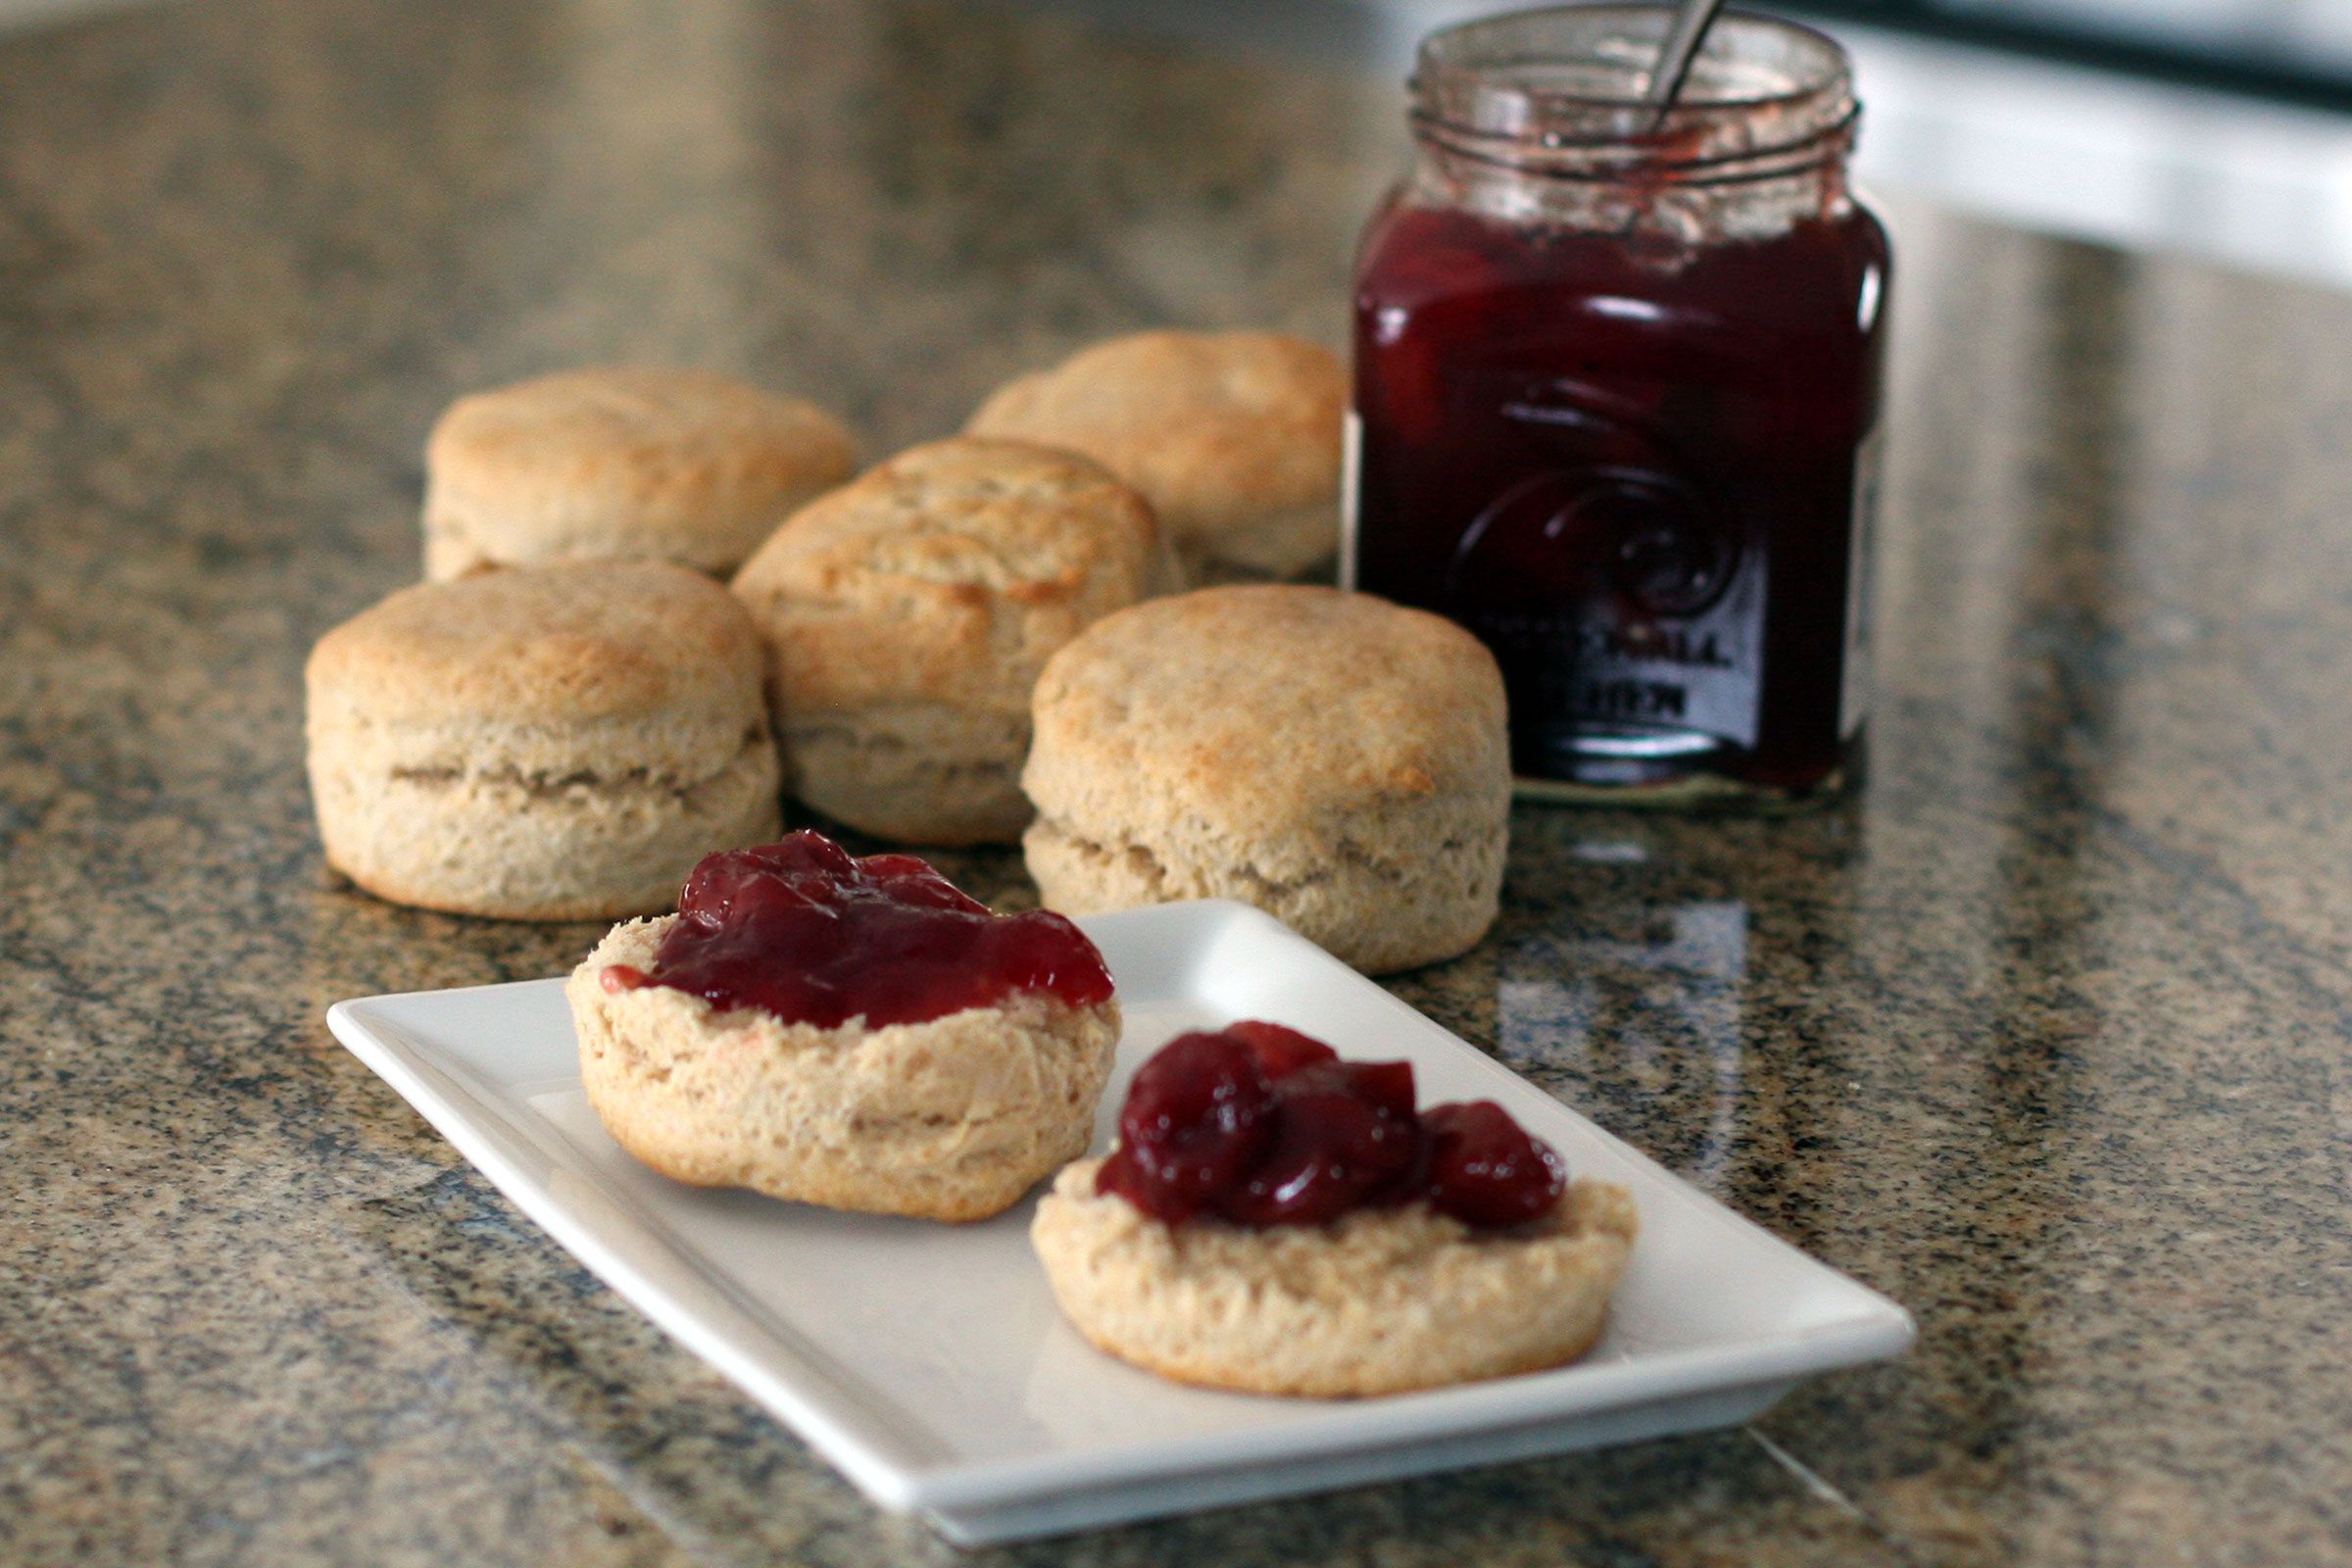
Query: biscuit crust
(1233, 437)
(557, 744)
(1378, 1301)
(907, 614)
(622, 463)
(1336, 761)
(954, 1119)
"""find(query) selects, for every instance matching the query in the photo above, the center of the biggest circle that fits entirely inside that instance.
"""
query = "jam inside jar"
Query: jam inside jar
(1616, 393)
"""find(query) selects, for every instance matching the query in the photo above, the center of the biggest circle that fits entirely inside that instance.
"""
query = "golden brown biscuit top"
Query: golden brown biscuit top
(635, 430)
(947, 574)
(1261, 705)
(1214, 428)
(557, 643)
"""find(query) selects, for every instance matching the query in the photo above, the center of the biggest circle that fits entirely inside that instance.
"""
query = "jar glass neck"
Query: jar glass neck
(1558, 95)
(1675, 215)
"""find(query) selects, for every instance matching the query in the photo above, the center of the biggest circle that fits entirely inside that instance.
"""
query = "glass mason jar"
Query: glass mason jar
(1616, 399)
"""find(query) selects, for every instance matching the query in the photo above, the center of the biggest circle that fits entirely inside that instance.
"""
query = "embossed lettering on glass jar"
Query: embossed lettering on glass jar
(1616, 396)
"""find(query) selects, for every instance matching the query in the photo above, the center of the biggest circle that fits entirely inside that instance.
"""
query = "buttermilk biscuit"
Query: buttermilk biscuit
(1333, 758)
(907, 614)
(953, 1120)
(555, 744)
(621, 465)
(1377, 1302)
(1234, 438)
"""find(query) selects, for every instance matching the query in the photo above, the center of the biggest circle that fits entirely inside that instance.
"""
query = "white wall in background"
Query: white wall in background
(2080, 152)
(2281, 25)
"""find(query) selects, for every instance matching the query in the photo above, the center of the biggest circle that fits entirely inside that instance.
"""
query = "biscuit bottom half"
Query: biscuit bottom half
(1387, 888)
(918, 772)
(406, 814)
(1378, 1301)
(951, 1120)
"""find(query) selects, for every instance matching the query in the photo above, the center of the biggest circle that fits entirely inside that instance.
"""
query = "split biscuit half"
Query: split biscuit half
(1380, 1300)
(951, 1119)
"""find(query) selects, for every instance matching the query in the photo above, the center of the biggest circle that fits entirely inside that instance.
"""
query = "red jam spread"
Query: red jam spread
(1636, 476)
(1262, 1125)
(812, 934)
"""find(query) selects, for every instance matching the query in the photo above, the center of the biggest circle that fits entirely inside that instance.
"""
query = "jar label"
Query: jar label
(1601, 668)
(1861, 578)
(1626, 608)
(1352, 460)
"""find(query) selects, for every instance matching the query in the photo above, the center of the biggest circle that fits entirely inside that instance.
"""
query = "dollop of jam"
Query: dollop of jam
(812, 934)
(1262, 1125)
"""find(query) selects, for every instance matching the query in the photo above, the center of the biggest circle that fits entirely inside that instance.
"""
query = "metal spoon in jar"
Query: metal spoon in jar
(1688, 30)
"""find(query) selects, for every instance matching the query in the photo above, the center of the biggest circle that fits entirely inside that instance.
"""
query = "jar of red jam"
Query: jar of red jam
(1616, 400)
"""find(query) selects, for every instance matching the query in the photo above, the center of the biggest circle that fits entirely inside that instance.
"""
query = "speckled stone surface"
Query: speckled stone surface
(2050, 1036)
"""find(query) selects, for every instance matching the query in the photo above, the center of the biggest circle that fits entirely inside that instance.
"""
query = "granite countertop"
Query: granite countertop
(2047, 1037)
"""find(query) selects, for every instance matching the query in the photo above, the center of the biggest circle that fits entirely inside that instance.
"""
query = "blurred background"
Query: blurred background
(2215, 128)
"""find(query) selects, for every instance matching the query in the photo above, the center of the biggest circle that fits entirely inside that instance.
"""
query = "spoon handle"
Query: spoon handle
(1690, 22)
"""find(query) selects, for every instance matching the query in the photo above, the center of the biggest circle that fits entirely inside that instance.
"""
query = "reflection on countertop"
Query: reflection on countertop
(2046, 1037)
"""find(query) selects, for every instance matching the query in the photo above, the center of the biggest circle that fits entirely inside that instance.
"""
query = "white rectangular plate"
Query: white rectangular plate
(928, 1363)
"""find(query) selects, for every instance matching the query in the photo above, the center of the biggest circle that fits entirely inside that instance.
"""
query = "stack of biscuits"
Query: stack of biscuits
(658, 601)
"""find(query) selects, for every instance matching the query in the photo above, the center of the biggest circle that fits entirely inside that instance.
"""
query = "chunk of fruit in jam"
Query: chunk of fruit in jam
(810, 933)
(1485, 1168)
(1262, 1125)
(1280, 1052)
(1339, 1136)
(1198, 1117)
